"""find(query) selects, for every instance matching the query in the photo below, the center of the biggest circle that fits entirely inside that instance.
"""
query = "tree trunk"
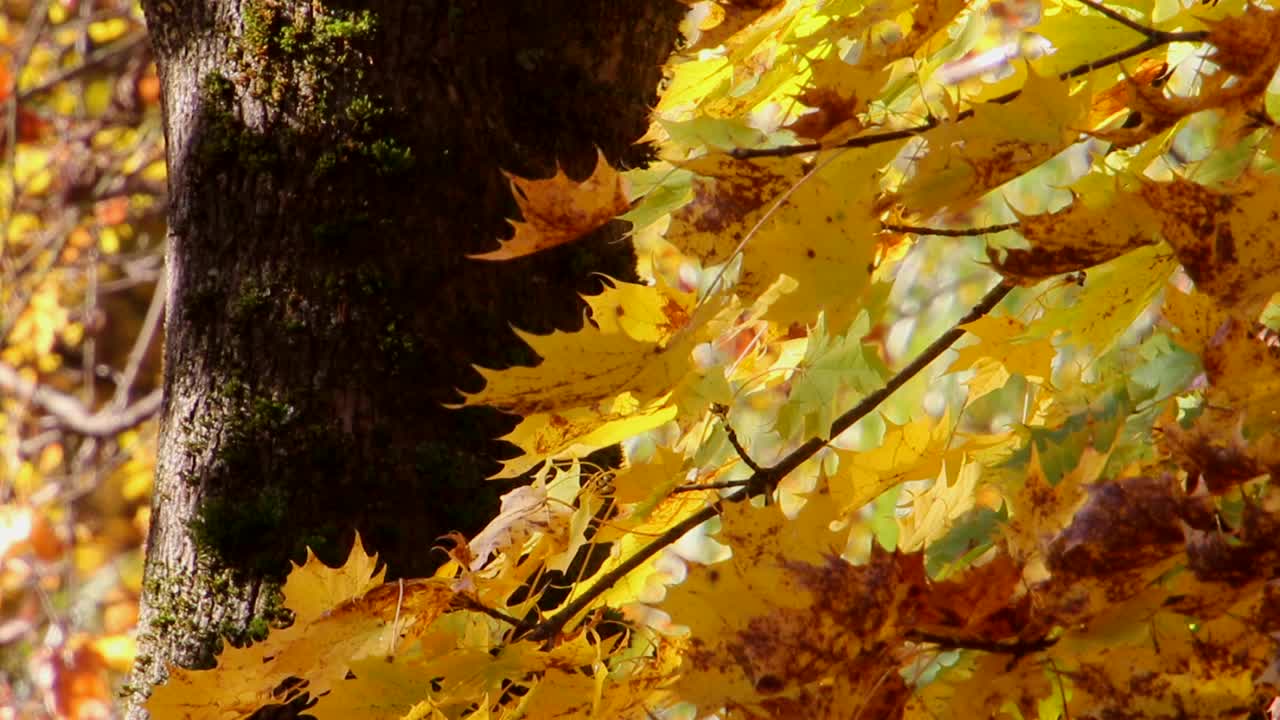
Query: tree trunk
(330, 164)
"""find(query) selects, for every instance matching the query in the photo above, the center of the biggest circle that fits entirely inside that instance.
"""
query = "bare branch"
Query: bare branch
(71, 414)
(1131, 24)
(101, 59)
(138, 353)
(1017, 648)
(712, 486)
(858, 142)
(723, 413)
(949, 232)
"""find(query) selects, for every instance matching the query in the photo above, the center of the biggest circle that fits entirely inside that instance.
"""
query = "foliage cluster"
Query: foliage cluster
(950, 392)
(81, 224)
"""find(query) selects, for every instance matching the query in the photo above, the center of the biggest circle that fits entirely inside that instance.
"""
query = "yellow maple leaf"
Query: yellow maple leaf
(341, 616)
(313, 588)
(1079, 236)
(819, 230)
(1004, 340)
(560, 210)
(577, 432)
(787, 628)
(934, 508)
(1243, 368)
(1041, 509)
(915, 451)
(1000, 141)
(597, 364)
(1114, 295)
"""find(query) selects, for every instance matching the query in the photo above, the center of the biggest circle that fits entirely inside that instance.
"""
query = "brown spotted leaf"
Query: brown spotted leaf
(1077, 237)
(785, 628)
(1228, 240)
(1215, 453)
(1243, 368)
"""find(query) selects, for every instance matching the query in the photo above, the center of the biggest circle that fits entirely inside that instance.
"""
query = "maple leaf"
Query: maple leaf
(1114, 295)
(559, 210)
(1241, 366)
(966, 159)
(1006, 336)
(1124, 524)
(808, 633)
(820, 231)
(1075, 238)
(1214, 451)
(341, 615)
(914, 451)
(1227, 241)
(602, 384)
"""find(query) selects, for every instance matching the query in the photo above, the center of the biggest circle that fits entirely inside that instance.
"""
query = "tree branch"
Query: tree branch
(1016, 647)
(948, 232)
(723, 413)
(766, 479)
(71, 414)
(1114, 15)
(1154, 39)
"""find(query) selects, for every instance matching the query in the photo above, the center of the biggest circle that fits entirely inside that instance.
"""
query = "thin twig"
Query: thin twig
(1133, 25)
(1151, 43)
(872, 401)
(71, 414)
(471, 603)
(737, 445)
(766, 479)
(858, 142)
(1017, 648)
(949, 232)
(726, 485)
(141, 345)
(117, 50)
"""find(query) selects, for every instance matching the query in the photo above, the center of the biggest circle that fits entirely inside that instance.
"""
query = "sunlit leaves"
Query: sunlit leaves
(966, 158)
(1241, 365)
(342, 615)
(814, 222)
(1074, 517)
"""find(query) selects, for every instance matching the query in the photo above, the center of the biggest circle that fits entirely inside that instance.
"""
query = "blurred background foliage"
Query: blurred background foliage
(82, 207)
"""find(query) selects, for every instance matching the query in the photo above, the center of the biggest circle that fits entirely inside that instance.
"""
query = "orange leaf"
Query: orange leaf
(558, 210)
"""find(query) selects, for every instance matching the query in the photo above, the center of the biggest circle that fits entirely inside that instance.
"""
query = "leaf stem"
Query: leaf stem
(765, 480)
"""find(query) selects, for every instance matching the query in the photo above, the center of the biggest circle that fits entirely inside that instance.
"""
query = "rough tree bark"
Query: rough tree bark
(331, 162)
